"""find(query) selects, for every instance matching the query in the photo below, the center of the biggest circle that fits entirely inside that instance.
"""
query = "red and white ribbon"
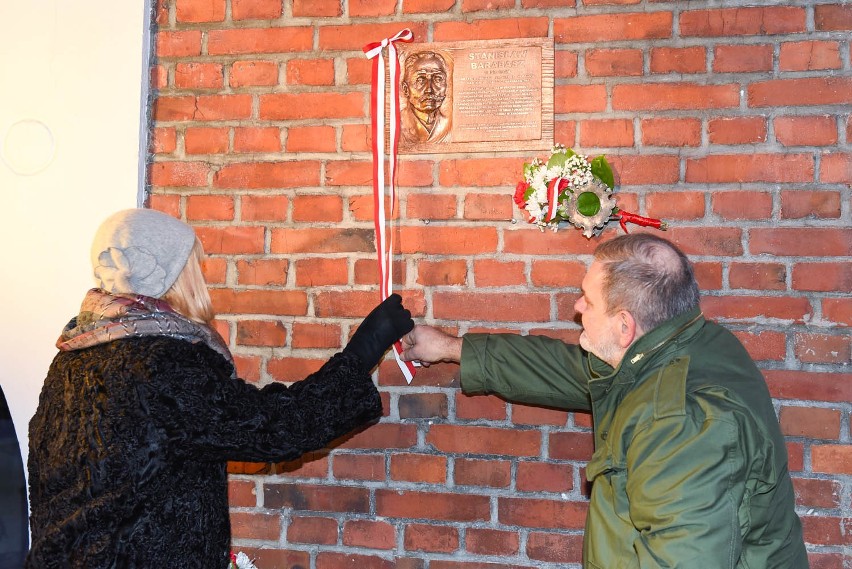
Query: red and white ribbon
(552, 196)
(384, 241)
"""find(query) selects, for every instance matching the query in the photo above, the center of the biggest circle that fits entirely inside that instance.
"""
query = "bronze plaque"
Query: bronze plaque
(477, 96)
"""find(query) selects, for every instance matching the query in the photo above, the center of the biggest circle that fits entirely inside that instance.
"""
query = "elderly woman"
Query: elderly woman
(141, 409)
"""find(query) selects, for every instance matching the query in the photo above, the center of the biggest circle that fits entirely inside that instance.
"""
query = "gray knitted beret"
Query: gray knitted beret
(140, 251)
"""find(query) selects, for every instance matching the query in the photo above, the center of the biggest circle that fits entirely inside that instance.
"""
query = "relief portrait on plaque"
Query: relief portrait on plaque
(426, 97)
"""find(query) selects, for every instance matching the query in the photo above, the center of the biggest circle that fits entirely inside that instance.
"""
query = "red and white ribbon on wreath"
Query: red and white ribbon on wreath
(384, 242)
(552, 195)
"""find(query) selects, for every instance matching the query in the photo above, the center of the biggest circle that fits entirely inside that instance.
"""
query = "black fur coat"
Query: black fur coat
(128, 449)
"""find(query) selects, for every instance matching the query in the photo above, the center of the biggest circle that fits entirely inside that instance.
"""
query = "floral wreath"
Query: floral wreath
(570, 188)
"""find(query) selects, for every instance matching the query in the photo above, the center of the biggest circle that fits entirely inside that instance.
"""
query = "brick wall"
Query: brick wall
(732, 122)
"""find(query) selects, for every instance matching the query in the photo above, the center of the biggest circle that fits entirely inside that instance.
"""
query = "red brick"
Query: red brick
(835, 168)
(832, 459)
(742, 21)
(197, 11)
(479, 5)
(369, 533)
(802, 242)
(823, 277)
(179, 174)
(317, 208)
(742, 205)
(491, 29)
(163, 140)
(758, 276)
(541, 513)
(543, 477)
(817, 493)
(806, 130)
(253, 74)
(480, 172)
(737, 130)
(259, 40)
(255, 9)
(321, 271)
(383, 437)
(483, 440)
(810, 422)
(199, 76)
(491, 272)
(484, 407)
(439, 273)
(644, 170)
(691, 59)
(159, 77)
(351, 36)
(257, 139)
(279, 303)
(351, 173)
(312, 530)
(311, 139)
(674, 96)
(555, 548)
(222, 107)
(359, 467)
(315, 335)
(209, 208)
(241, 493)
(614, 62)
(680, 205)
(431, 206)
(557, 274)
(820, 204)
(674, 132)
(205, 140)
(423, 406)
(421, 468)
(565, 132)
(718, 241)
(833, 17)
(290, 106)
(321, 8)
(481, 472)
(185, 43)
(432, 505)
(264, 208)
(448, 240)
(565, 64)
(606, 133)
(485, 207)
(530, 241)
(310, 72)
(750, 168)
(174, 108)
(308, 497)
(427, 6)
(571, 446)
(746, 308)
(491, 307)
(795, 92)
(253, 175)
(579, 98)
(255, 525)
(231, 239)
(809, 386)
(742, 58)
(809, 56)
(823, 348)
(613, 27)
(422, 537)
(415, 173)
(485, 541)
(765, 345)
(708, 275)
(215, 271)
(837, 310)
(309, 465)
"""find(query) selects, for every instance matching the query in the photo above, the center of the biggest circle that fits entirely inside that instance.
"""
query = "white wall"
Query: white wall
(79, 70)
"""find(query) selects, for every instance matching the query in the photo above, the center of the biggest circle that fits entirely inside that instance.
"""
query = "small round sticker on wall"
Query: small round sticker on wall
(28, 147)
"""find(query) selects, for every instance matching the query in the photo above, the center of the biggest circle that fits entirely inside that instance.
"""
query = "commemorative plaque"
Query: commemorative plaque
(477, 96)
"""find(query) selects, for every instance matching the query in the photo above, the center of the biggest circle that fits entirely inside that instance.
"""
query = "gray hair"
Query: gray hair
(648, 277)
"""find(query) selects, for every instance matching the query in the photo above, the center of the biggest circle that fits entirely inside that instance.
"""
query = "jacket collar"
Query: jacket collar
(641, 353)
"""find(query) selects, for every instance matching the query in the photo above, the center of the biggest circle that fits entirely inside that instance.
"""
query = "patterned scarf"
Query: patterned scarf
(105, 317)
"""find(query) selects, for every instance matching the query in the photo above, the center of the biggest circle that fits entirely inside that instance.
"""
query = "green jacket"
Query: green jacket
(690, 467)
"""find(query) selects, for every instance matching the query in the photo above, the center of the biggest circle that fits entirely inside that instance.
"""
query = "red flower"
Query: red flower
(519, 194)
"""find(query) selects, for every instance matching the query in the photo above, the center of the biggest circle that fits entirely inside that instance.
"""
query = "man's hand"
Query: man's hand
(429, 345)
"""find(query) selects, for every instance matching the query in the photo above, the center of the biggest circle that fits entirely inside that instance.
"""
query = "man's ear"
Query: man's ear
(628, 332)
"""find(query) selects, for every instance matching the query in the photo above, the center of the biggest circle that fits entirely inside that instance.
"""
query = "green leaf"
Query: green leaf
(528, 193)
(602, 171)
(558, 159)
(588, 204)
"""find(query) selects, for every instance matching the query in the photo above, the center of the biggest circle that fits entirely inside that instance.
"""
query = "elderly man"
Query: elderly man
(424, 88)
(690, 467)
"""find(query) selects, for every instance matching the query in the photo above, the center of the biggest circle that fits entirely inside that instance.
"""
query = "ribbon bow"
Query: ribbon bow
(384, 243)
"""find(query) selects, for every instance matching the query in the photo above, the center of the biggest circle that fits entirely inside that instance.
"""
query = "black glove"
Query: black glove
(387, 323)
